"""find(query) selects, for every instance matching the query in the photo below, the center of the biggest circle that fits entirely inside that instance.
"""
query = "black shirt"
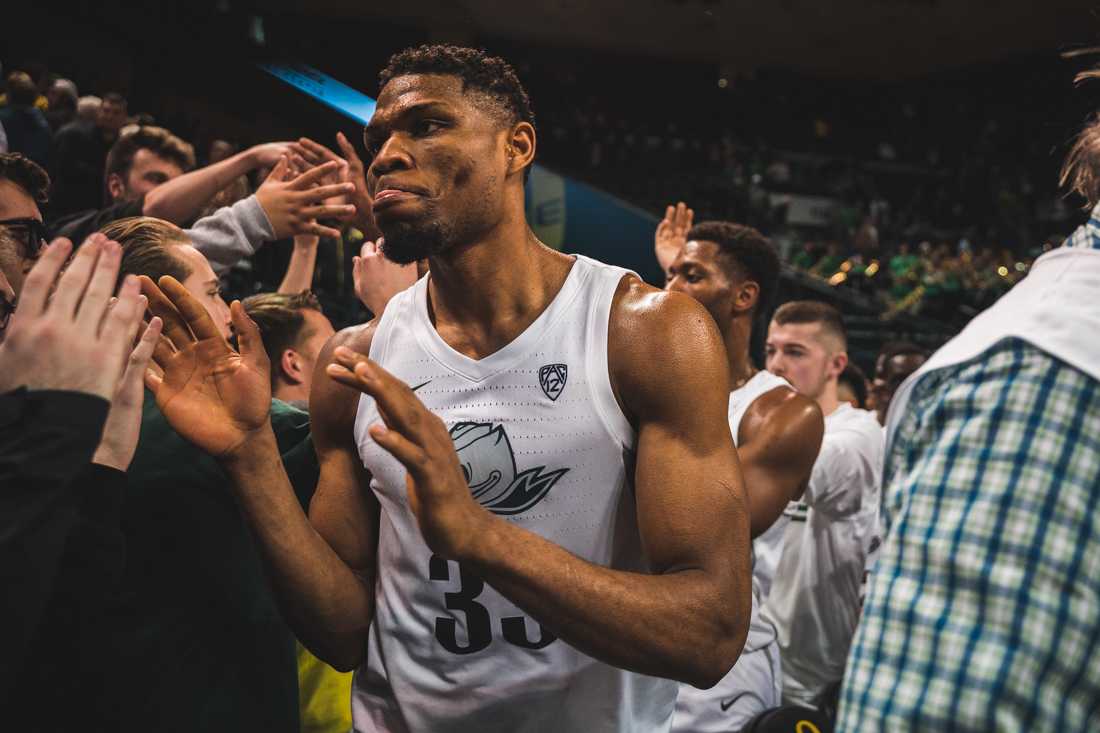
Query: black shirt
(77, 164)
(192, 639)
(77, 227)
(47, 439)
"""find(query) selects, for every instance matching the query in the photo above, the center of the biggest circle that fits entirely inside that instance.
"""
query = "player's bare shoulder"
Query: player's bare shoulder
(660, 344)
(783, 415)
(332, 405)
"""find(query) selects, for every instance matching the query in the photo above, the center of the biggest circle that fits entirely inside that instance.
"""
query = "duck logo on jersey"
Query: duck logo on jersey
(490, 469)
(552, 379)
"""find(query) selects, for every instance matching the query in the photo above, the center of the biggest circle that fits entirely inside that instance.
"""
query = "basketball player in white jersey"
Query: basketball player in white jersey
(530, 514)
(815, 600)
(733, 271)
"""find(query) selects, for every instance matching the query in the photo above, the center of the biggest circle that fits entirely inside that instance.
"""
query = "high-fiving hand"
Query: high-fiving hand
(294, 201)
(356, 173)
(450, 518)
(378, 279)
(74, 340)
(210, 394)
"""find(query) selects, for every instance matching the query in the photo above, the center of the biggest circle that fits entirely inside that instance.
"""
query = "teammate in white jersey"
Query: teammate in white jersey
(593, 518)
(733, 271)
(815, 600)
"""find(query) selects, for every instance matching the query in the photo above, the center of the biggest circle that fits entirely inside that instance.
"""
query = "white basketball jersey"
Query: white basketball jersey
(543, 444)
(699, 711)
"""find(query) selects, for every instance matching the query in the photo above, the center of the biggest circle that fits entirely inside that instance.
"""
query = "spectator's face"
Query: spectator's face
(889, 374)
(148, 171)
(203, 284)
(437, 176)
(804, 356)
(845, 393)
(111, 117)
(220, 150)
(16, 257)
(696, 271)
(59, 96)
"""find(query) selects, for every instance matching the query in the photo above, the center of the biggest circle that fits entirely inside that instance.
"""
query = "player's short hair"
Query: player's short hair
(748, 250)
(856, 380)
(280, 320)
(492, 76)
(147, 247)
(26, 174)
(813, 311)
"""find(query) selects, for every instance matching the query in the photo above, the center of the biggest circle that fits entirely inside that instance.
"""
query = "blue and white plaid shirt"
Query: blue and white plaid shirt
(983, 611)
(1088, 234)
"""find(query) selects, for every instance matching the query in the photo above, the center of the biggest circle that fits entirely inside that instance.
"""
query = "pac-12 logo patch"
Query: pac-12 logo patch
(552, 378)
(489, 466)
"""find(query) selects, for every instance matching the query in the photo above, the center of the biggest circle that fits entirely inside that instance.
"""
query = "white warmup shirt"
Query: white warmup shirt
(753, 685)
(814, 601)
(543, 444)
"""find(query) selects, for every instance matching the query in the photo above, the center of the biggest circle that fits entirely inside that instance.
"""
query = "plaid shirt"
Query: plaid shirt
(983, 612)
(1088, 235)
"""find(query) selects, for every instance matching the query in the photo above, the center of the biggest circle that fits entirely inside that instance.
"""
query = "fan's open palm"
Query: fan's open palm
(210, 394)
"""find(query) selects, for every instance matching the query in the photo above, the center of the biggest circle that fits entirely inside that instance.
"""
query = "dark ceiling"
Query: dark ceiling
(853, 38)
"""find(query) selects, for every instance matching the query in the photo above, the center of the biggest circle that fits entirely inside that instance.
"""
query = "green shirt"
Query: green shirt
(194, 641)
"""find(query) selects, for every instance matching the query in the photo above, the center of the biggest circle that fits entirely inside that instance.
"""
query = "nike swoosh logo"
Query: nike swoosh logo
(727, 705)
(420, 385)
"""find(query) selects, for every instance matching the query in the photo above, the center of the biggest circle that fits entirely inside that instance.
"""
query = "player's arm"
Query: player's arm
(780, 437)
(343, 510)
(688, 619)
(219, 400)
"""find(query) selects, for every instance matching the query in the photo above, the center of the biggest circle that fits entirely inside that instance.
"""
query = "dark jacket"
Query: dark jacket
(191, 638)
(47, 440)
(28, 133)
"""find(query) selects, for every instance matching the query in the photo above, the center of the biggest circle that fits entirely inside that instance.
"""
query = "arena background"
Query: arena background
(931, 120)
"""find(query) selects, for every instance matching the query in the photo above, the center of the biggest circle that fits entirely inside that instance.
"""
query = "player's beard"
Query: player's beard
(407, 242)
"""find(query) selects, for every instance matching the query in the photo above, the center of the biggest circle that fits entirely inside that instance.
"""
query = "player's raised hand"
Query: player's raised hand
(449, 517)
(671, 234)
(213, 396)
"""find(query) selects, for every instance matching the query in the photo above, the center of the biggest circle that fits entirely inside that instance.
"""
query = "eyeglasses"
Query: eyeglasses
(31, 233)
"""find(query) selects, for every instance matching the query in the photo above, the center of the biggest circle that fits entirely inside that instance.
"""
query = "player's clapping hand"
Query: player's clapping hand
(213, 396)
(449, 517)
(671, 234)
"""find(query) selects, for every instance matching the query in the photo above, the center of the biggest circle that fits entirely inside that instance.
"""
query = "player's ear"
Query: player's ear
(747, 295)
(520, 147)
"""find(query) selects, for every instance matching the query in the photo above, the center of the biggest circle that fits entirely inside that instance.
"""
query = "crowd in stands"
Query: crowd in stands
(941, 160)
